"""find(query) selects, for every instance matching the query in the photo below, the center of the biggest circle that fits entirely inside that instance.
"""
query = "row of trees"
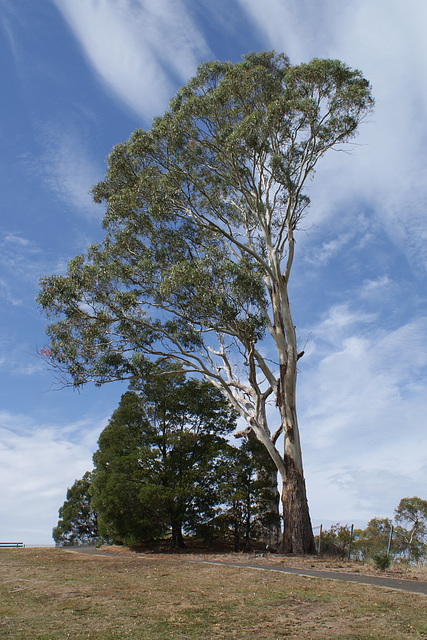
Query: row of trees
(164, 467)
(404, 537)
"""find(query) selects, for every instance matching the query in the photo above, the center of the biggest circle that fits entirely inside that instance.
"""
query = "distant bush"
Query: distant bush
(382, 560)
(335, 542)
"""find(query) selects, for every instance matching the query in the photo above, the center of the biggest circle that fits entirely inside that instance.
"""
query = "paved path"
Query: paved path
(409, 586)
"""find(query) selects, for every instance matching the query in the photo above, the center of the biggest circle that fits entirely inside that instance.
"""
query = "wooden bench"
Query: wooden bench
(8, 545)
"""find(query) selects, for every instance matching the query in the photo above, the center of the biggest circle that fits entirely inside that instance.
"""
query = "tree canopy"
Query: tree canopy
(201, 215)
(155, 467)
(413, 512)
(249, 500)
(78, 521)
(163, 468)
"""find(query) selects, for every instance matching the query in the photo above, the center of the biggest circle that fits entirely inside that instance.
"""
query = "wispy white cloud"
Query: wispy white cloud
(18, 358)
(293, 26)
(10, 13)
(22, 263)
(137, 47)
(29, 368)
(338, 323)
(16, 239)
(67, 168)
(402, 352)
(363, 412)
(7, 295)
(18, 259)
(374, 288)
(37, 464)
(329, 248)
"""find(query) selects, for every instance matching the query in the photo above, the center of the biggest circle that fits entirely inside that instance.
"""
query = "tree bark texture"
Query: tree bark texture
(298, 535)
(298, 538)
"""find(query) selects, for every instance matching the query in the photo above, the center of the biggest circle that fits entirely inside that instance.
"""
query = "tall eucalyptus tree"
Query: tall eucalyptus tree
(201, 215)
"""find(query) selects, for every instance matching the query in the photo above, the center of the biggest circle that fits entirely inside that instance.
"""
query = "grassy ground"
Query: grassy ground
(51, 594)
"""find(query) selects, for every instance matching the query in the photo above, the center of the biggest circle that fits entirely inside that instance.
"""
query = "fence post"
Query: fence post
(390, 539)
(320, 539)
(351, 540)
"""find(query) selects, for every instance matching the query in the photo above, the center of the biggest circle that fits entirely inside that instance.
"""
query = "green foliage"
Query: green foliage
(413, 512)
(77, 519)
(155, 465)
(194, 208)
(249, 500)
(373, 539)
(335, 541)
(407, 543)
(382, 560)
(372, 543)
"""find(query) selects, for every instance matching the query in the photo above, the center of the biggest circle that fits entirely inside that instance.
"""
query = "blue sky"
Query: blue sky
(78, 76)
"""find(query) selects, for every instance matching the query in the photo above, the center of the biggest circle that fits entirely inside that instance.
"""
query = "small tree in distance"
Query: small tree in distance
(335, 541)
(373, 539)
(413, 511)
(201, 216)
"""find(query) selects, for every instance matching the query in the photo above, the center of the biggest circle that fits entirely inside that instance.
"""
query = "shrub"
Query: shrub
(382, 560)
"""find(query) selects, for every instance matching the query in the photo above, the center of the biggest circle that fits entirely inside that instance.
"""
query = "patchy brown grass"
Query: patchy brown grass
(51, 594)
(399, 570)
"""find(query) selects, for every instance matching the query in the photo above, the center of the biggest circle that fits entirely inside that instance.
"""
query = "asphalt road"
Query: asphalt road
(409, 586)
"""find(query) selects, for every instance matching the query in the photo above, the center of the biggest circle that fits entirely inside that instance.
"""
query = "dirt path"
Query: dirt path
(409, 586)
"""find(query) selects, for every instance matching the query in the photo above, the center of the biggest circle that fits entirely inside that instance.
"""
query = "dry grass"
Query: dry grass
(50, 594)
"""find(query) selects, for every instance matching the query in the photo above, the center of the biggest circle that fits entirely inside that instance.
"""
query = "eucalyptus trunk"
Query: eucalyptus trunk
(297, 535)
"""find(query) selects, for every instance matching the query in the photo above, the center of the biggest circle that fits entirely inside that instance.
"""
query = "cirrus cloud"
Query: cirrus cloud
(137, 47)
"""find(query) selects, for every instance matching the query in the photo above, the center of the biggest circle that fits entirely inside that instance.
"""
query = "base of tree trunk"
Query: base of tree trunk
(298, 538)
(177, 537)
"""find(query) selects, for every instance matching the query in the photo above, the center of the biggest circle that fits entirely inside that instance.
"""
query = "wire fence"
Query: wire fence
(346, 540)
(343, 539)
